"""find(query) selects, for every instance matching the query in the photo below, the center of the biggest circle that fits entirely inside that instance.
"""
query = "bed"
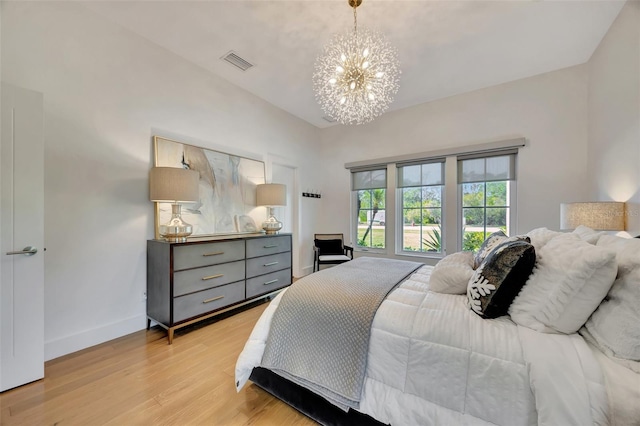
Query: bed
(432, 360)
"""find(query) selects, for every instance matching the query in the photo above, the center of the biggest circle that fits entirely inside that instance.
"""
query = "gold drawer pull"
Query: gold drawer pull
(270, 246)
(270, 263)
(213, 299)
(214, 253)
(210, 277)
(270, 282)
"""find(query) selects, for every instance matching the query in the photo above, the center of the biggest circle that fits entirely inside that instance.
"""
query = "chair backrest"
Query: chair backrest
(329, 237)
(329, 249)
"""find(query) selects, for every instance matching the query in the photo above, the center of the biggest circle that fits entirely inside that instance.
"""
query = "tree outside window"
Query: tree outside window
(422, 216)
(485, 210)
(371, 218)
(421, 188)
(369, 188)
(486, 186)
(485, 191)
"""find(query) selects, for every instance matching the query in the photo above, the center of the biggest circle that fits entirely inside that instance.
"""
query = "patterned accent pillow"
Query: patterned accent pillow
(500, 277)
(492, 242)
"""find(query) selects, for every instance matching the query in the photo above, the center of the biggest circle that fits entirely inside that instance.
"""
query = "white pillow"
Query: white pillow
(587, 234)
(615, 325)
(460, 257)
(569, 281)
(541, 236)
(451, 275)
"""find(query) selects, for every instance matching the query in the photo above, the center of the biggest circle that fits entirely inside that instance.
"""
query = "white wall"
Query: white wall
(549, 110)
(614, 116)
(107, 91)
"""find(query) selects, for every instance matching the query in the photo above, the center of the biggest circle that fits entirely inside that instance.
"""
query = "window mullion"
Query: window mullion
(451, 208)
(421, 233)
(485, 207)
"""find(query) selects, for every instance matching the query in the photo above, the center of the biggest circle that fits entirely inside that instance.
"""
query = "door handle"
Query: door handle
(27, 251)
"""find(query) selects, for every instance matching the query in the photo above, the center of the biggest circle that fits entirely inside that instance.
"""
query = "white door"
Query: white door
(285, 175)
(21, 229)
(288, 214)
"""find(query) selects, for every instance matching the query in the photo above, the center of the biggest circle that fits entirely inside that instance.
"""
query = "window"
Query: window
(420, 200)
(442, 201)
(486, 192)
(369, 188)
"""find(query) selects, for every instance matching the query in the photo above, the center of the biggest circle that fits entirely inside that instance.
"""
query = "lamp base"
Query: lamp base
(271, 225)
(177, 230)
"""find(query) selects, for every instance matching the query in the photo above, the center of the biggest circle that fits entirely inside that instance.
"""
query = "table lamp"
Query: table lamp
(271, 195)
(175, 186)
(600, 216)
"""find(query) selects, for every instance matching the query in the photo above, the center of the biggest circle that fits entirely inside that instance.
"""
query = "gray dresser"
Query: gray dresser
(191, 281)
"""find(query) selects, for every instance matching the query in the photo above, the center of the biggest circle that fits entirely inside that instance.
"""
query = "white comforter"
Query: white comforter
(433, 361)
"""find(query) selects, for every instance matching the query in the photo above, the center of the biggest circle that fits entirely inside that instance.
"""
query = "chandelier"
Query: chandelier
(357, 75)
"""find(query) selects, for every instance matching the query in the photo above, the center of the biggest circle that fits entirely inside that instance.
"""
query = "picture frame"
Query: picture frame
(227, 189)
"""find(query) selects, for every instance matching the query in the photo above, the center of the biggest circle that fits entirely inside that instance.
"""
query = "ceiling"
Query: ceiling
(445, 47)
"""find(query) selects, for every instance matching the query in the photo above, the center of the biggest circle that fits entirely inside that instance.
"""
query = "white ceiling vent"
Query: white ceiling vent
(329, 119)
(234, 59)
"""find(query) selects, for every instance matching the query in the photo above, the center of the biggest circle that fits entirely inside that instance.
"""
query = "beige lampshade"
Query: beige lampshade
(601, 216)
(271, 194)
(171, 185)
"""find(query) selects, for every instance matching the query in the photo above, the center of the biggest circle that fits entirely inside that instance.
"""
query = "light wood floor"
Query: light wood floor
(141, 380)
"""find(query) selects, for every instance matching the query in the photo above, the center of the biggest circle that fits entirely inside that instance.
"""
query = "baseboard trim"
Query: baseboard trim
(95, 336)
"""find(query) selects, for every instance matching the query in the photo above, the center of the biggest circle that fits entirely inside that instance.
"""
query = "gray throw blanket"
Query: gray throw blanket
(319, 335)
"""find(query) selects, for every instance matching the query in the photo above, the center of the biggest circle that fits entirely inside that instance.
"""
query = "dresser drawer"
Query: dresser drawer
(266, 264)
(194, 304)
(207, 277)
(269, 282)
(264, 246)
(196, 255)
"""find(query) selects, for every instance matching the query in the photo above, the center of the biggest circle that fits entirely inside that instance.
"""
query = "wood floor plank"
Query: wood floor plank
(141, 380)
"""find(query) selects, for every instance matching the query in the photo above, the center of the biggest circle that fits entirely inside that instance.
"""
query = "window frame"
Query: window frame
(354, 212)
(511, 196)
(451, 206)
(399, 206)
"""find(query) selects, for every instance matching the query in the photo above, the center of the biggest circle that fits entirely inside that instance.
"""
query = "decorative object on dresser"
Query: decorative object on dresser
(600, 216)
(271, 195)
(190, 281)
(175, 186)
(227, 188)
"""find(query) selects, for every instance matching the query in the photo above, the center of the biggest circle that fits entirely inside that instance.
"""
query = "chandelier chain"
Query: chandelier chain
(355, 20)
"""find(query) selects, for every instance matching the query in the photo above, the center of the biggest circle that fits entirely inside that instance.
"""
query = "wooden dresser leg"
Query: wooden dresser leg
(148, 323)
(170, 335)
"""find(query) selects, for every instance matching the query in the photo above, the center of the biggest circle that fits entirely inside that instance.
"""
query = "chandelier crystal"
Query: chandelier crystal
(356, 75)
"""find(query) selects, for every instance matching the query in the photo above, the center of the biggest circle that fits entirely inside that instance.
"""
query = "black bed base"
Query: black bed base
(307, 402)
